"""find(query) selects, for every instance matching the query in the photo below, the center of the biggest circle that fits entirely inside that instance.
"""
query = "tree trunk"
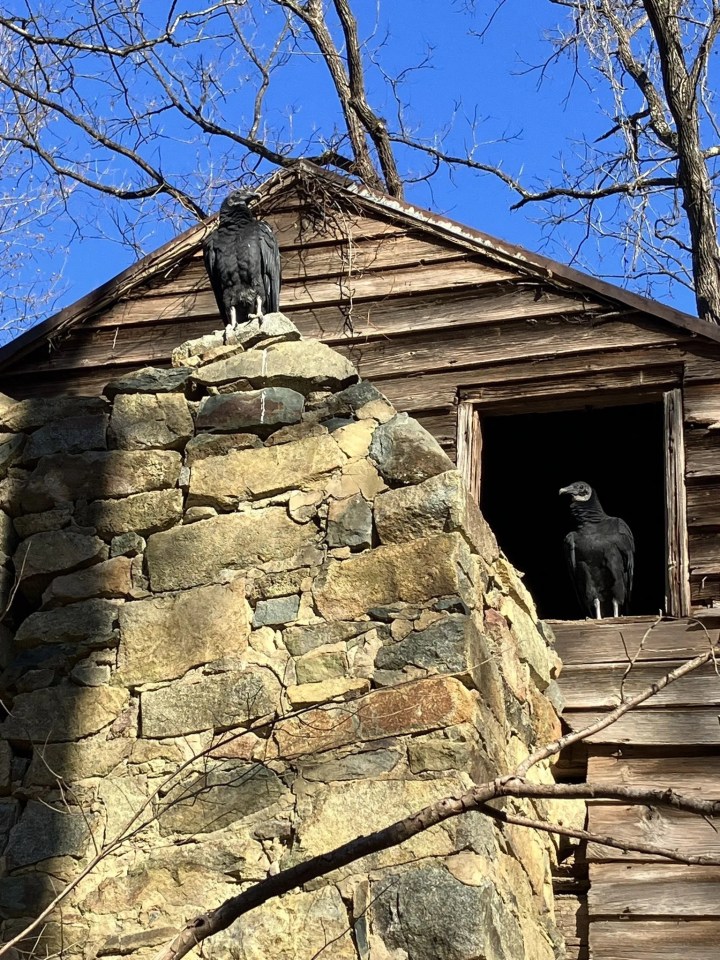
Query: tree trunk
(693, 177)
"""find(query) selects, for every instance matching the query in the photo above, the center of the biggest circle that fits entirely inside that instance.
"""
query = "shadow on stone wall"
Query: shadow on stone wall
(255, 604)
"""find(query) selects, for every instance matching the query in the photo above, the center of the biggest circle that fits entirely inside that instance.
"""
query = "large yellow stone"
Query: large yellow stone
(162, 638)
(412, 572)
(263, 472)
(198, 553)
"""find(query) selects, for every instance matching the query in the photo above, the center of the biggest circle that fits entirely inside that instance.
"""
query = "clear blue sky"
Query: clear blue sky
(521, 124)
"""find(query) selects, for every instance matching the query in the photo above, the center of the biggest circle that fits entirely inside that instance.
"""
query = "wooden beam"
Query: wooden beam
(676, 727)
(469, 447)
(685, 833)
(677, 565)
(579, 390)
(596, 686)
(653, 890)
(638, 638)
(655, 939)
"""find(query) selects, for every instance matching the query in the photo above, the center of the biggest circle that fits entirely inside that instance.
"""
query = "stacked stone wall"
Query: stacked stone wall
(251, 613)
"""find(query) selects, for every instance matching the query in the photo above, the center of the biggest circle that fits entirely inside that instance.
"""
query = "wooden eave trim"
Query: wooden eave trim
(112, 290)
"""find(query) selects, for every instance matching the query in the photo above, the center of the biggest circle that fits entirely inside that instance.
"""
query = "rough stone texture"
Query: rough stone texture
(275, 611)
(298, 926)
(7, 537)
(192, 555)
(62, 713)
(350, 523)
(441, 504)
(448, 646)
(251, 474)
(111, 579)
(11, 447)
(217, 702)
(43, 555)
(163, 638)
(142, 513)
(151, 421)
(300, 640)
(26, 526)
(44, 832)
(217, 445)
(375, 679)
(306, 694)
(63, 478)
(74, 435)
(228, 792)
(304, 366)
(420, 913)
(150, 380)
(345, 403)
(405, 452)
(261, 410)
(413, 573)
(31, 414)
(91, 625)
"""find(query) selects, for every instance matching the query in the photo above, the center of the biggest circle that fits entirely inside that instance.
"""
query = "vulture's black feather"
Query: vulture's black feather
(242, 260)
(600, 553)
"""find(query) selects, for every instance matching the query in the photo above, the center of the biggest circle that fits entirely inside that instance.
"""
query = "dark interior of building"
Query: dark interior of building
(527, 458)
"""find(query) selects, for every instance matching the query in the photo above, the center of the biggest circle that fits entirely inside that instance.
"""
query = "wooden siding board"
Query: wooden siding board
(652, 727)
(653, 890)
(475, 352)
(677, 939)
(618, 641)
(704, 551)
(341, 258)
(702, 404)
(703, 504)
(596, 686)
(446, 275)
(512, 396)
(702, 454)
(698, 775)
(705, 591)
(682, 833)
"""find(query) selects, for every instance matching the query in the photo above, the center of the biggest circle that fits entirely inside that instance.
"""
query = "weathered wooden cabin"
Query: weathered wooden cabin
(532, 375)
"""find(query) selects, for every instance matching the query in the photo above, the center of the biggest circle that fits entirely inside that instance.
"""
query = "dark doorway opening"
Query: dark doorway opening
(527, 458)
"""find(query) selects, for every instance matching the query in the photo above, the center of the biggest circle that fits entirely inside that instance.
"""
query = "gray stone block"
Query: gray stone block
(404, 452)
(150, 380)
(44, 832)
(224, 794)
(74, 435)
(276, 611)
(218, 702)
(350, 523)
(258, 410)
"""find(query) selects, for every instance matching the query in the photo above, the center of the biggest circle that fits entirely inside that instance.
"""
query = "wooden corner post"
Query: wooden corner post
(469, 446)
(677, 571)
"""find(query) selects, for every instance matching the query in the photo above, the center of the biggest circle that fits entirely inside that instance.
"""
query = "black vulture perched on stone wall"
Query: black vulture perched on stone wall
(243, 262)
(600, 553)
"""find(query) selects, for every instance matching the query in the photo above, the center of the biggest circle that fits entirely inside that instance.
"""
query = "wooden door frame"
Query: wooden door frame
(677, 554)
(677, 562)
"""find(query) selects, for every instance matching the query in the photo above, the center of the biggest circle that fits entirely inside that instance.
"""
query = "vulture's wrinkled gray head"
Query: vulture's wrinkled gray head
(578, 491)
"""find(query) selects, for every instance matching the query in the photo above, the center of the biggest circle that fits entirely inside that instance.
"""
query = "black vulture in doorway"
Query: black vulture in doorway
(600, 553)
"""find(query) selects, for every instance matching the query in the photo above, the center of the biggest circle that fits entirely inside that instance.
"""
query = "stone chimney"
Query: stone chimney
(253, 607)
